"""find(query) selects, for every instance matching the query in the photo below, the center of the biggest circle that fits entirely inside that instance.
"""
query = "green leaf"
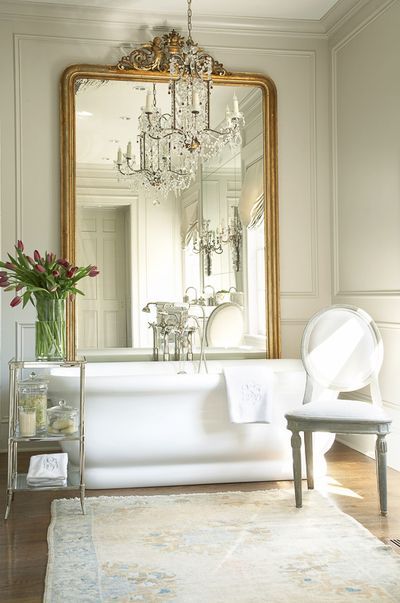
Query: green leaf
(75, 290)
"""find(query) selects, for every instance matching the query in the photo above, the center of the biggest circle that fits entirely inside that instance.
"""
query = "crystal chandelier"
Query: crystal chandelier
(172, 145)
(160, 169)
(209, 241)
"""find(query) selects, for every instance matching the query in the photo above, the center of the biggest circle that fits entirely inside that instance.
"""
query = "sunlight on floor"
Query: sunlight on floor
(328, 485)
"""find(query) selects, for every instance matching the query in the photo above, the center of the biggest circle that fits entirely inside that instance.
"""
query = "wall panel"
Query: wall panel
(366, 188)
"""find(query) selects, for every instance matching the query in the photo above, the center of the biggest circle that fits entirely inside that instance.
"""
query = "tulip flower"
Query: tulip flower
(3, 274)
(93, 271)
(10, 266)
(36, 255)
(55, 273)
(63, 263)
(20, 245)
(72, 271)
(15, 301)
(19, 287)
(4, 283)
(40, 268)
(50, 257)
(31, 260)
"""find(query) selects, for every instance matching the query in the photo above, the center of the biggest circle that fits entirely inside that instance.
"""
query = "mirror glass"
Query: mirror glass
(204, 247)
(179, 273)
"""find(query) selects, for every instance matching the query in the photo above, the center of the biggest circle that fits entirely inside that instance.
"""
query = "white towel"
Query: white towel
(250, 392)
(48, 470)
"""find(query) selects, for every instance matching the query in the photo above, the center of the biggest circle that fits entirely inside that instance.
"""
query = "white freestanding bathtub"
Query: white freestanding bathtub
(146, 425)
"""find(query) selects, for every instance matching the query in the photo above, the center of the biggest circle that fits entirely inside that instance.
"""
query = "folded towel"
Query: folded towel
(48, 470)
(250, 391)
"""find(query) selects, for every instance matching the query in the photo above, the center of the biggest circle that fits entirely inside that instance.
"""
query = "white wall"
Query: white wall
(366, 186)
(33, 53)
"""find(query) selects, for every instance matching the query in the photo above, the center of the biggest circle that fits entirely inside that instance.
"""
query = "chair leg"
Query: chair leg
(381, 450)
(296, 452)
(308, 441)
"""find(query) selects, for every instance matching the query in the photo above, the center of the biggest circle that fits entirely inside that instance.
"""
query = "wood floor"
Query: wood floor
(350, 484)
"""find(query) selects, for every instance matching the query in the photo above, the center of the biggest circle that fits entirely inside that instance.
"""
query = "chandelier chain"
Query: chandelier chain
(189, 15)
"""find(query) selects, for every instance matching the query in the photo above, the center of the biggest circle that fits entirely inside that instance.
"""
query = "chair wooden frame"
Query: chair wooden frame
(296, 423)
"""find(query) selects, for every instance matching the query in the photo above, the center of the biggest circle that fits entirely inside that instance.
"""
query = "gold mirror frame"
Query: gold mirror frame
(127, 70)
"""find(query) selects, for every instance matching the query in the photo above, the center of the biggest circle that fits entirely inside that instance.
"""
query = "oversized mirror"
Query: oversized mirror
(179, 271)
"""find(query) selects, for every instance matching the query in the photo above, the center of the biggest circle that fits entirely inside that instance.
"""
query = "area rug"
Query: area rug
(232, 547)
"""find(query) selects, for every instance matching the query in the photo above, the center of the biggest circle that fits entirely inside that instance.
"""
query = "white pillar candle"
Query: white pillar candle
(27, 422)
(195, 102)
(129, 150)
(235, 106)
(119, 157)
(228, 115)
(149, 102)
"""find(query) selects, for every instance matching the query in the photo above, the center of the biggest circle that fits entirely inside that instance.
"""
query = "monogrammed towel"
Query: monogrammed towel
(250, 393)
(48, 470)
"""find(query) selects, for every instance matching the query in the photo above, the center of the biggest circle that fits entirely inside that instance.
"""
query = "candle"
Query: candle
(149, 102)
(228, 115)
(235, 106)
(27, 421)
(195, 102)
(119, 157)
(129, 150)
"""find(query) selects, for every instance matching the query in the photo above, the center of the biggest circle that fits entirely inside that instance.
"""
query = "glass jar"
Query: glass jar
(62, 419)
(32, 394)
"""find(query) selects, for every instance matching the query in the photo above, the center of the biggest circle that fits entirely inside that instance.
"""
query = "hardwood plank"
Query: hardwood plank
(350, 484)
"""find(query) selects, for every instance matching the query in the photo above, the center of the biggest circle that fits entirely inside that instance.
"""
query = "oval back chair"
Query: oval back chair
(341, 351)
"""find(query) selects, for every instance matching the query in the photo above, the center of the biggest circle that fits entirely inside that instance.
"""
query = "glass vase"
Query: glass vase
(50, 331)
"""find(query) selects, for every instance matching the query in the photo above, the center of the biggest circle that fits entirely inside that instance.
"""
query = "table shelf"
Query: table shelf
(19, 483)
(16, 481)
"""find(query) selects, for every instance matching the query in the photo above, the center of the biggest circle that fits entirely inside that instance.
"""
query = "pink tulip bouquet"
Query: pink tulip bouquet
(46, 282)
(41, 276)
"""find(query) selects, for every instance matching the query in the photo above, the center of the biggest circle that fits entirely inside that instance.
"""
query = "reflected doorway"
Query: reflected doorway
(103, 311)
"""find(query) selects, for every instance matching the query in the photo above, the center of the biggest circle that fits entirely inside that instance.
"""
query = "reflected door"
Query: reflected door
(102, 312)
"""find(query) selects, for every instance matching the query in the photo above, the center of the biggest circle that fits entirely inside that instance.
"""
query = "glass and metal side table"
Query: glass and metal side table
(17, 482)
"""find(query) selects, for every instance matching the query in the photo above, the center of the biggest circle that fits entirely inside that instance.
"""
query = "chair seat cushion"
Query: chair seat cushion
(340, 410)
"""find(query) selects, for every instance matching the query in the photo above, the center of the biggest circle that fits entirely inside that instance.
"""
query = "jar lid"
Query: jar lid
(33, 382)
(63, 407)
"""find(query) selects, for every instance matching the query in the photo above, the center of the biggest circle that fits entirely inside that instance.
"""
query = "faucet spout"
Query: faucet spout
(147, 307)
(186, 296)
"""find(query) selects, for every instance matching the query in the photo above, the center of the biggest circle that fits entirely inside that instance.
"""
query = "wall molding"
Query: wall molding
(368, 293)
(336, 290)
(366, 398)
(383, 324)
(232, 25)
(21, 331)
(314, 256)
(358, 28)
(18, 139)
(334, 22)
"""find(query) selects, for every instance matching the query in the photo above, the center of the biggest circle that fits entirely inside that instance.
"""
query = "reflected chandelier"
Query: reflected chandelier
(209, 241)
(171, 145)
